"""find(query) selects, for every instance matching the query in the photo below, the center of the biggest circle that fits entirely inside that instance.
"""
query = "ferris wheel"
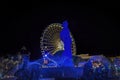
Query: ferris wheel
(50, 41)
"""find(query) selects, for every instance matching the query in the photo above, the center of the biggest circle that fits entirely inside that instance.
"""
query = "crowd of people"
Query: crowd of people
(100, 68)
(96, 68)
(7, 64)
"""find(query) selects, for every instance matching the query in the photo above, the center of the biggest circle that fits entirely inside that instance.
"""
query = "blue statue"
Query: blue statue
(66, 38)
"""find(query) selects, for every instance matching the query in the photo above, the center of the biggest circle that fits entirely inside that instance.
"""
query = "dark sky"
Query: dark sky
(95, 29)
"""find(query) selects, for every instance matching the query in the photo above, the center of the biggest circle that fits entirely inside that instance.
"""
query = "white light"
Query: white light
(45, 55)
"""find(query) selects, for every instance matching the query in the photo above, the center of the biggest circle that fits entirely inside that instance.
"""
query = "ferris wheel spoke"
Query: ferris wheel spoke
(50, 39)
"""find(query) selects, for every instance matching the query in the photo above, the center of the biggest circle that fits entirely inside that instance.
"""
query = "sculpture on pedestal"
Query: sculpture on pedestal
(58, 42)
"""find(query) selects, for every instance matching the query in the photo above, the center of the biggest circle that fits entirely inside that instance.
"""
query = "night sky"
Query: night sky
(95, 29)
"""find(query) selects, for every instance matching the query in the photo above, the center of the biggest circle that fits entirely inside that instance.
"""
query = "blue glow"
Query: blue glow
(65, 37)
(45, 55)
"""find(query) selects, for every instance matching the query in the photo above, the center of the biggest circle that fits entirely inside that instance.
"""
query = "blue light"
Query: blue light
(66, 38)
(45, 55)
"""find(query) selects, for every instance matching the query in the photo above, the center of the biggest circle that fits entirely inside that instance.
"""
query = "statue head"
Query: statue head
(65, 24)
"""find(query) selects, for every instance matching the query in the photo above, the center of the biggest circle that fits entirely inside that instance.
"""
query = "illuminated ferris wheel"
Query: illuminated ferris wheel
(50, 41)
